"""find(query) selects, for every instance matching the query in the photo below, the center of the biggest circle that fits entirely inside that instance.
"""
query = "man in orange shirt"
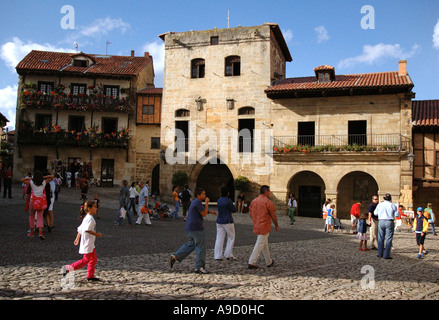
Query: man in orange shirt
(355, 214)
(262, 212)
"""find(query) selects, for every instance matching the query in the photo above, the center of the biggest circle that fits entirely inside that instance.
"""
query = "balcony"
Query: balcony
(341, 143)
(79, 102)
(57, 137)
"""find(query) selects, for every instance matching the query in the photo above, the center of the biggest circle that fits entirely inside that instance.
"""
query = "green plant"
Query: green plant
(180, 178)
(242, 183)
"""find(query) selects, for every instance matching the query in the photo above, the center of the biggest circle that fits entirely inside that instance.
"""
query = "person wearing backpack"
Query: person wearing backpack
(186, 196)
(38, 201)
(429, 214)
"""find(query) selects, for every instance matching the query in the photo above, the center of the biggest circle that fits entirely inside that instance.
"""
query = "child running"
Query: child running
(420, 228)
(362, 230)
(86, 239)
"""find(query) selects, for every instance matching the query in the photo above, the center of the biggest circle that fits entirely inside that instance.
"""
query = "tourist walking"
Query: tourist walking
(386, 212)
(429, 214)
(143, 201)
(330, 218)
(133, 195)
(292, 207)
(37, 201)
(176, 202)
(186, 196)
(124, 196)
(373, 222)
(195, 233)
(7, 182)
(86, 238)
(225, 226)
(355, 214)
(420, 228)
(262, 212)
(325, 209)
(362, 231)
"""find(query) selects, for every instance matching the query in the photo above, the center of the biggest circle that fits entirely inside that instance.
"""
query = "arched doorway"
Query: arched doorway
(353, 187)
(309, 189)
(213, 176)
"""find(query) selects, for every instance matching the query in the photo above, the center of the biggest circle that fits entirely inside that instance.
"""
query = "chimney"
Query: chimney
(402, 68)
(132, 53)
(146, 54)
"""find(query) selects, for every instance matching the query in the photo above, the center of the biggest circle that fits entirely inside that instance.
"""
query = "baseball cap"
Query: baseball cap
(420, 209)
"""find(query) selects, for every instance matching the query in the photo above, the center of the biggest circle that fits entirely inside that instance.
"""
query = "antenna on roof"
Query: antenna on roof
(106, 46)
(76, 46)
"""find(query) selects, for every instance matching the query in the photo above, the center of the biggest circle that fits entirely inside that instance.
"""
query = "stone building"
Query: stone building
(79, 109)
(425, 117)
(344, 137)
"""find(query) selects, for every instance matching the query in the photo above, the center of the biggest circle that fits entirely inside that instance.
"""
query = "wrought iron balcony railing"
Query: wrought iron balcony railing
(78, 102)
(351, 142)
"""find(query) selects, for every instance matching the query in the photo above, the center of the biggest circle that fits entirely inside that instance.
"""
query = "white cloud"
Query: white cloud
(8, 102)
(157, 50)
(436, 35)
(322, 34)
(288, 35)
(12, 52)
(374, 54)
(101, 27)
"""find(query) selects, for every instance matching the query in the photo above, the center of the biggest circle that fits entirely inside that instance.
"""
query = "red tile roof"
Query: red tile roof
(306, 85)
(62, 62)
(425, 113)
(151, 91)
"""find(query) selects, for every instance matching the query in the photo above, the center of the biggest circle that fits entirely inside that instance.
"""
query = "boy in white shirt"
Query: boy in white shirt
(86, 239)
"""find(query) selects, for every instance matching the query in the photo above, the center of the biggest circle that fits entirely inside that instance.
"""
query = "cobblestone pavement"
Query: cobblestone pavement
(132, 261)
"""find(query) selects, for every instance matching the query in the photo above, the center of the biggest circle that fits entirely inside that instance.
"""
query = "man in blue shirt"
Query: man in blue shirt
(195, 233)
(225, 226)
(386, 212)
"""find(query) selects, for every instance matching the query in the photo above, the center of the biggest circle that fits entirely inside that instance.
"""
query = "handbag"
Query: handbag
(39, 203)
(122, 213)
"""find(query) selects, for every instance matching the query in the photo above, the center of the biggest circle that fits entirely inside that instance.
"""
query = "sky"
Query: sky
(354, 36)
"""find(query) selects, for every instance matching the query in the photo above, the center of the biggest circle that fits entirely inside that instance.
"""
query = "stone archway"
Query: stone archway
(309, 190)
(212, 177)
(353, 187)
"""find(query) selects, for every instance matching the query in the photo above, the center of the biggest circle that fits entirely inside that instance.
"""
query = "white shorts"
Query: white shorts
(354, 219)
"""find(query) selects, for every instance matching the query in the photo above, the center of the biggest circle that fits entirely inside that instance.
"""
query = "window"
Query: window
(245, 135)
(197, 68)
(182, 136)
(155, 143)
(43, 121)
(148, 110)
(214, 40)
(111, 91)
(45, 87)
(357, 132)
(76, 123)
(78, 88)
(182, 113)
(306, 133)
(246, 111)
(233, 66)
(80, 63)
(324, 77)
(109, 125)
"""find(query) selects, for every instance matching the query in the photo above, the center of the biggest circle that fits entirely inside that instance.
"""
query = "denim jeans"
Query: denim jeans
(385, 235)
(177, 208)
(196, 241)
(132, 205)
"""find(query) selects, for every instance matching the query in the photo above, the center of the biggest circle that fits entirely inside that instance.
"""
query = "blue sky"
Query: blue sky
(317, 32)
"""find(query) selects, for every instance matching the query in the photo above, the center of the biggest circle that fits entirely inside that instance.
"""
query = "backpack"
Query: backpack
(427, 214)
(39, 203)
(185, 196)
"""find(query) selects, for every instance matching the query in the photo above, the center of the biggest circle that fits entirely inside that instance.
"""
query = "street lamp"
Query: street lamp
(162, 155)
